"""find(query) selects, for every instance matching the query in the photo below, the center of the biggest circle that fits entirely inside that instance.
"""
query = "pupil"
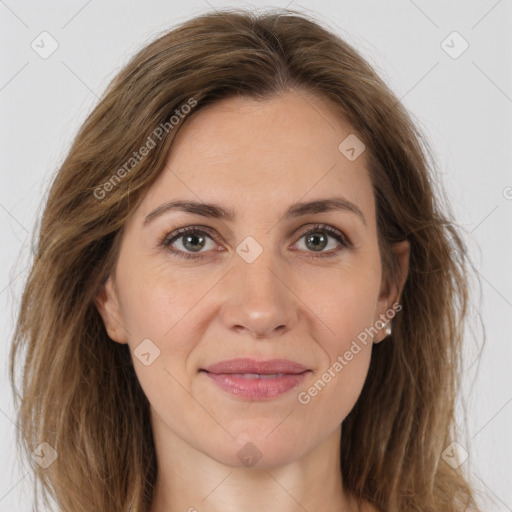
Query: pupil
(192, 237)
(317, 236)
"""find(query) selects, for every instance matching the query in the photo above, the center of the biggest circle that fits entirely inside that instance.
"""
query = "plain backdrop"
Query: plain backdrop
(460, 97)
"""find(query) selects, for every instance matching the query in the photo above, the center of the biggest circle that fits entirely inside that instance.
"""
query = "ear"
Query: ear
(390, 292)
(107, 304)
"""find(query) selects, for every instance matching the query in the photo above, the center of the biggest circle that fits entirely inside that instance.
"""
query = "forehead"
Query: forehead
(249, 154)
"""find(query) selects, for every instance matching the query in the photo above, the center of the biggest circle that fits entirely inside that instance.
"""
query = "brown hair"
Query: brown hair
(393, 439)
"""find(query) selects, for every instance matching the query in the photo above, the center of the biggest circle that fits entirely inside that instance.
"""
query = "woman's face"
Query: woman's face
(256, 280)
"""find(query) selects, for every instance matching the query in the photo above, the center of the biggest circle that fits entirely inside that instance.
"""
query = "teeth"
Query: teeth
(258, 376)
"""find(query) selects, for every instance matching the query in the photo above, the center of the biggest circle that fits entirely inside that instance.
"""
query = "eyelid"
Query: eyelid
(175, 232)
(331, 230)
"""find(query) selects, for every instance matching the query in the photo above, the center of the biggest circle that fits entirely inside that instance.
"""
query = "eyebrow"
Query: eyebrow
(216, 211)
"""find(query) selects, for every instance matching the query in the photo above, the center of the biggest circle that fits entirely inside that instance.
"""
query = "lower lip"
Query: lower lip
(255, 388)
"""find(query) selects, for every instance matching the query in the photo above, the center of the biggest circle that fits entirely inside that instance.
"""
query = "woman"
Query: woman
(245, 294)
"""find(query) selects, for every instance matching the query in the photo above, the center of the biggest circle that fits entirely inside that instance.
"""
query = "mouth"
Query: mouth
(256, 380)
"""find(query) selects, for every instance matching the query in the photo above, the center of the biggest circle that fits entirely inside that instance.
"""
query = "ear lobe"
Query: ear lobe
(107, 304)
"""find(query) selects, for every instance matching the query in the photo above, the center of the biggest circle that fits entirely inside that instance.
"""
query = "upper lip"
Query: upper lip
(246, 365)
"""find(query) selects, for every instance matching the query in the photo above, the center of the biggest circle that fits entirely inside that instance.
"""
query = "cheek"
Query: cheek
(338, 382)
(338, 385)
(348, 305)
(349, 311)
(161, 306)
(157, 299)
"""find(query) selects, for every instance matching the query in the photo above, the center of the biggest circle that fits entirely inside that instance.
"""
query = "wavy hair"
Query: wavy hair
(79, 391)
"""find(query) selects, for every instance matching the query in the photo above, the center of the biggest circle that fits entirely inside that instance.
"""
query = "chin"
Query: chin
(257, 451)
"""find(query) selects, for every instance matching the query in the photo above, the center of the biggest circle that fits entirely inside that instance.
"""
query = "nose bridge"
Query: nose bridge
(259, 277)
(259, 298)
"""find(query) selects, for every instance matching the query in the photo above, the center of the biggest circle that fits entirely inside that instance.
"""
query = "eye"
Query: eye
(190, 238)
(193, 240)
(317, 239)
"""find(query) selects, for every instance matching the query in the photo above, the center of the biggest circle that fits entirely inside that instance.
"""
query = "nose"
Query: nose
(259, 299)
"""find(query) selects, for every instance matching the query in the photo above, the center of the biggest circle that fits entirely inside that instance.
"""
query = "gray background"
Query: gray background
(463, 104)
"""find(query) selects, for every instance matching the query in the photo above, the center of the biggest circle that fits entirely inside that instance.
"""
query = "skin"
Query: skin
(291, 302)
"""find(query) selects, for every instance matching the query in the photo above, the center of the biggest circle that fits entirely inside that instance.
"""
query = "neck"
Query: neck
(194, 482)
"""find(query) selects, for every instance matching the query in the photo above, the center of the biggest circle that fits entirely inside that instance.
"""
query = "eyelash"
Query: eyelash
(168, 239)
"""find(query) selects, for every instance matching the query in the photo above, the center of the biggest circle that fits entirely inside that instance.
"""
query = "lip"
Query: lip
(247, 365)
(256, 380)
